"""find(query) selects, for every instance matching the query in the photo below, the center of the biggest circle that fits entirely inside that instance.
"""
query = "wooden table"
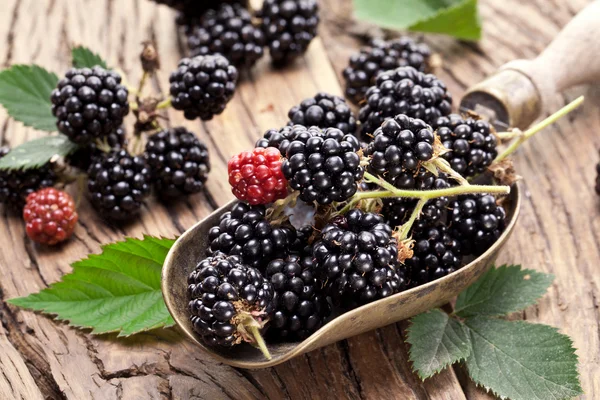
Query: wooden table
(559, 230)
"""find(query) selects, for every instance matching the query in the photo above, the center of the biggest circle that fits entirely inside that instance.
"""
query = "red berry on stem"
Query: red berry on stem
(256, 177)
(50, 216)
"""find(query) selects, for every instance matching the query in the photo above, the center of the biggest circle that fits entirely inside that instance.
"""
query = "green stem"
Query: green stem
(143, 80)
(538, 127)
(164, 104)
(260, 342)
(444, 166)
(405, 228)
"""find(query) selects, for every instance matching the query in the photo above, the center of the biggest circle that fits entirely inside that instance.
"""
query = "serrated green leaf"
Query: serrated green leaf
(437, 341)
(37, 152)
(522, 361)
(458, 18)
(115, 291)
(25, 93)
(501, 291)
(86, 58)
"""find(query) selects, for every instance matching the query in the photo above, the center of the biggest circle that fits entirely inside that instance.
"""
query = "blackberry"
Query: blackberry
(118, 184)
(226, 295)
(50, 216)
(598, 179)
(437, 253)
(84, 155)
(478, 221)
(404, 91)
(300, 307)
(16, 185)
(289, 26)
(179, 162)
(357, 258)
(281, 138)
(381, 56)
(244, 231)
(227, 30)
(89, 103)
(471, 142)
(325, 111)
(194, 8)
(202, 86)
(323, 165)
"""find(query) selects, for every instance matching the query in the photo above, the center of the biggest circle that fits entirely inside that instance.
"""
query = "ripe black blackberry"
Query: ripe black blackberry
(358, 258)
(323, 165)
(598, 179)
(227, 30)
(118, 183)
(478, 222)
(225, 295)
(404, 91)
(83, 157)
(281, 138)
(244, 231)
(202, 86)
(179, 162)
(437, 253)
(381, 56)
(192, 9)
(300, 306)
(16, 185)
(325, 111)
(471, 142)
(289, 26)
(89, 103)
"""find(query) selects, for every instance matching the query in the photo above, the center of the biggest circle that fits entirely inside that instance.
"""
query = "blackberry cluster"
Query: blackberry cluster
(471, 142)
(16, 185)
(118, 184)
(325, 167)
(300, 307)
(404, 91)
(381, 56)
(84, 155)
(478, 221)
(357, 258)
(325, 111)
(179, 162)
(289, 26)
(89, 103)
(202, 86)
(244, 231)
(227, 30)
(225, 293)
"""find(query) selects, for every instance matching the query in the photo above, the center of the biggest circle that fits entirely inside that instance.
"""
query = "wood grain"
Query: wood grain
(559, 230)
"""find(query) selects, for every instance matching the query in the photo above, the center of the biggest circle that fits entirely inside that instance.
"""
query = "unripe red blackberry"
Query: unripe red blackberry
(289, 26)
(202, 86)
(404, 91)
(325, 111)
(179, 162)
(381, 56)
(50, 216)
(89, 104)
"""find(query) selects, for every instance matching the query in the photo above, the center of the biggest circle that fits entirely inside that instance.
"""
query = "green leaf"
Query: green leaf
(522, 361)
(502, 290)
(115, 291)
(437, 341)
(37, 152)
(458, 18)
(86, 58)
(25, 93)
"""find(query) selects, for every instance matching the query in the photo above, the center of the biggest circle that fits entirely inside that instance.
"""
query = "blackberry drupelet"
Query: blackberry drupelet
(404, 91)
(89, 103)
(84, 155)
(227, 30)
(478, 222)
(471, 142)
(289, 26)
(381, 56)
(323, 165)
(202, 86)
(357, 258)
(325, 111)
(300, 306)
(244, 231)
(179, 162)
(437, 253)
(224, 295)
(16, 185)
(118, 183)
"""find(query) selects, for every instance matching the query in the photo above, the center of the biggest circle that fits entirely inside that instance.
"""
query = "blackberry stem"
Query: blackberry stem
(444, 166)
(164, 104)
(260, 342)
(405, 228)
(143, 80)
(538, 127)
